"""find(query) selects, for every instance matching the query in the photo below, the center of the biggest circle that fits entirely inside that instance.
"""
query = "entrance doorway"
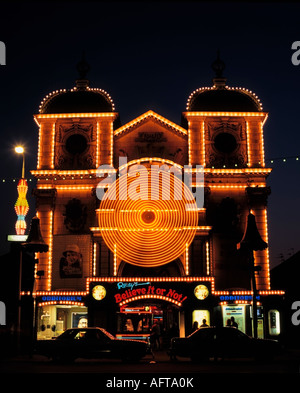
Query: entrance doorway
(138, 320)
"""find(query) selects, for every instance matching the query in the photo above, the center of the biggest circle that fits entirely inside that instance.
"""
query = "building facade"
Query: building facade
(124, 249)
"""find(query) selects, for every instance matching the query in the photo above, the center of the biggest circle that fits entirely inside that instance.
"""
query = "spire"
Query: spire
(83, 68)
(218, 67)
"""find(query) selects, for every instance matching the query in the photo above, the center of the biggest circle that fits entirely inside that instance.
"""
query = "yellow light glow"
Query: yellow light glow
(52, 146)
(266, 236)
(262, 146)
(151, 160)
(66, 188)
(50, 303)
(227, 114)
(74, 89)
(86, 172)
(187, 259)
(230, 171)
(262, 257)
(98, 145)
(100, 229)
(49, 282)
(229, 186)
(95, 259)
(159, 297)
(115, 260)
(239, 89)
(111, 144)
(19, 149)
(109, 115)
(207, 258)
(147, 235)
(150, 114)
(189, 143)
(89, 280)
(203, 143)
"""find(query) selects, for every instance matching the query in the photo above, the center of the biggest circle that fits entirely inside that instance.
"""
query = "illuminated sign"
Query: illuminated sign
(99, 292)
(137, 289)
(17, 238)
(131, 285)
(61, 298)
(201, 292)
(123, 293)
(234, 298)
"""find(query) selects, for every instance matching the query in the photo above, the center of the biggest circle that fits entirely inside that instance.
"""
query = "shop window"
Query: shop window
(199, 316)
(274, 322)
(53, 320)
(234, 313)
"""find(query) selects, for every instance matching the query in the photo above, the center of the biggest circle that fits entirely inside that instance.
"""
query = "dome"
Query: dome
(221, 98)
(79, 99)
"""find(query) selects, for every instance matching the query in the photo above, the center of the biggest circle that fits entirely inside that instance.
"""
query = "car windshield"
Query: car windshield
(107, 334)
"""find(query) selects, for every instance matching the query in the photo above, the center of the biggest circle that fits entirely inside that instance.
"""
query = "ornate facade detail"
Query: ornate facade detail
(226, 145)
(258, 196)
(75, 216)
(75, 147)
(45, 197)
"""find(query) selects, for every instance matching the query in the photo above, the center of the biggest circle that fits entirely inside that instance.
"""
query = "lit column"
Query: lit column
(21, 206)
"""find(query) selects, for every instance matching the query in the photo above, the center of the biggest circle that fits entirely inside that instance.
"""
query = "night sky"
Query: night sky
(152, 55)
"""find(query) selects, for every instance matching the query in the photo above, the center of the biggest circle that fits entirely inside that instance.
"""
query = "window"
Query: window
(225, 143)
(76, 144)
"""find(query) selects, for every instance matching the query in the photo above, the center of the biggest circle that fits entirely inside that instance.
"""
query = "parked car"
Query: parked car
(91, 343)
(223, 342)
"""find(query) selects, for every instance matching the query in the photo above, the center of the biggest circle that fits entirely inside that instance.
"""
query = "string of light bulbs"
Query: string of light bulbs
(284, 159)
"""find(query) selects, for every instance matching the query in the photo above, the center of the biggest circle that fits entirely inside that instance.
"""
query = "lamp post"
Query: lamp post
(21, 208)
(251, 242)
(34, 244)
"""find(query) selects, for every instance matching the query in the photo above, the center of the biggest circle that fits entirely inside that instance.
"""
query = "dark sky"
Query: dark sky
(152, 55)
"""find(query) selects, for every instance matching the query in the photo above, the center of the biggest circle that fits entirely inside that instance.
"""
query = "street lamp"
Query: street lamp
(20, 150)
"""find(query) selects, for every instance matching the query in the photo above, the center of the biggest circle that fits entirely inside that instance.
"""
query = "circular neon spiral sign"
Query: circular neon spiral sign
(149, 218)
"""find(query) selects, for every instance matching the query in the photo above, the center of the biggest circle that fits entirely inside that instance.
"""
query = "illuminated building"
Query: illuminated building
(144, 258)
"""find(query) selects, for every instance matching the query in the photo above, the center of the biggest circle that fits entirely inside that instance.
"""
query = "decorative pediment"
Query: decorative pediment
(151, 135)
(150, 116)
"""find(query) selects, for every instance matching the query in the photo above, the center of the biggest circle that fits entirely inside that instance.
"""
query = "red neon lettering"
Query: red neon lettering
(118, 298)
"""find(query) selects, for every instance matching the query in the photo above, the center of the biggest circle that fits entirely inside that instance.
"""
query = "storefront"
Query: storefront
(56, 313)
(269, 311)
(129, 308)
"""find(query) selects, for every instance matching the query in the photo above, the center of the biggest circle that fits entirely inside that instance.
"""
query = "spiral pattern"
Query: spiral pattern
(148, 218)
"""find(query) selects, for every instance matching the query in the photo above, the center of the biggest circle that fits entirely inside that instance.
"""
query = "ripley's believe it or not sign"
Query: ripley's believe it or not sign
(126, 292)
